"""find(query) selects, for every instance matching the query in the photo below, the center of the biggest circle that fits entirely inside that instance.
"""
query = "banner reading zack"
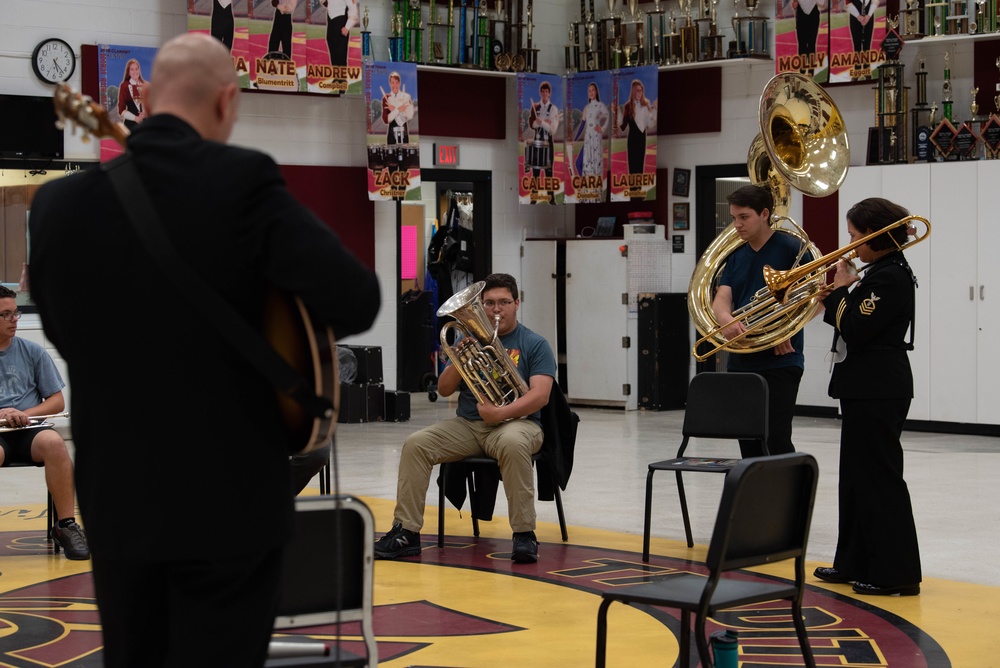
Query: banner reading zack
(633, 142)
(541, 160)
(588, 124)
(288, 45)
(122, 73)
(393, 130)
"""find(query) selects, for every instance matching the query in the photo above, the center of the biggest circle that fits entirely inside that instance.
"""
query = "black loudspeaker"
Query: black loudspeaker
(353, 403)
(664, 351)
(369, 364)
(375, 402)
(397, 406)
(418, 341)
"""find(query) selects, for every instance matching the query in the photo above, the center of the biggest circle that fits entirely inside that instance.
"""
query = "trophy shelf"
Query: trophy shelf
(722, 62)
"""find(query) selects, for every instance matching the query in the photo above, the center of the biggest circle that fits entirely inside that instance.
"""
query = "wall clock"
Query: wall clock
(53, 60)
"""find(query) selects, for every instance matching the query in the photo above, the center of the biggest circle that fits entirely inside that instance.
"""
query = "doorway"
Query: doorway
(449, 245)
(713, 184)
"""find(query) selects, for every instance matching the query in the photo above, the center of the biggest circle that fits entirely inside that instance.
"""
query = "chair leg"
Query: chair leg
(562, 515)
(441, 472)
(602, 633)
(800, 631)
(647, 519)
(702, 641)
(684, 509)
(50, 523)
(472, 504)
(685, 638)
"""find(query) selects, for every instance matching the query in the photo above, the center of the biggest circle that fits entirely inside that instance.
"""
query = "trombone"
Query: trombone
(787, 289)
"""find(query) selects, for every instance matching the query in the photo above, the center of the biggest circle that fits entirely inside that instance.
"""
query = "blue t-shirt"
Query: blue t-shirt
(532, 356)
(28, 375)
(744, 274)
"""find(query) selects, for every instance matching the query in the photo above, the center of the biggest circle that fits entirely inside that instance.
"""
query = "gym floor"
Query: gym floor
(468, 605)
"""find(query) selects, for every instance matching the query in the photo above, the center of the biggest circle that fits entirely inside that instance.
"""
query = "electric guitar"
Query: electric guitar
(310, 349)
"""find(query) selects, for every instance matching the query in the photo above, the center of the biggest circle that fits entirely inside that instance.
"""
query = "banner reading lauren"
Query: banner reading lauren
(633, 144)
(393, 130)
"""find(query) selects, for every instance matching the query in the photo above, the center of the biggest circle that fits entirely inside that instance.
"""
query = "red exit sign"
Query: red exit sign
(446, 155)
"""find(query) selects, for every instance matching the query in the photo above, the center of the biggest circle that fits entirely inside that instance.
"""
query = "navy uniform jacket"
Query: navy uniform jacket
(873, 319)
(173, 430)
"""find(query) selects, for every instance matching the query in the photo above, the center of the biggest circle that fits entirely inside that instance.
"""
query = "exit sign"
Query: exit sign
(446, 155)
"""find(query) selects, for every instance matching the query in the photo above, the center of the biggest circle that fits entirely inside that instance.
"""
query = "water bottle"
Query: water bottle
(724, 649)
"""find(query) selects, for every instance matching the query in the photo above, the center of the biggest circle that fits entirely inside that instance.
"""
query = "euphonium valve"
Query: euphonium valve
(479, 357)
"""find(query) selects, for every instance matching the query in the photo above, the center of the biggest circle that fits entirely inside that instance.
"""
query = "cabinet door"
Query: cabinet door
(953, 284)
(597, 364)
(987, 294)
(538, 289)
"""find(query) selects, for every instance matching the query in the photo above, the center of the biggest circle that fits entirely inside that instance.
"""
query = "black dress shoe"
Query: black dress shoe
(887, 590)
(832, 575)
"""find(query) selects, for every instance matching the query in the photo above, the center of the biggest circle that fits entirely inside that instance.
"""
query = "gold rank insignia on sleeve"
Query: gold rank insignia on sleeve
(840, 310)
(867, 306)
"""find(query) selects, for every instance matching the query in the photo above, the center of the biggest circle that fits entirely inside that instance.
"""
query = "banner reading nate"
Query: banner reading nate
(287, 45)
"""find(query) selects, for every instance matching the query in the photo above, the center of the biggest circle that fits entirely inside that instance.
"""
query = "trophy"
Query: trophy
(946, 88)
(911, 20)
(689, 35)
(922, 130)
(366, 39)
(991, 131)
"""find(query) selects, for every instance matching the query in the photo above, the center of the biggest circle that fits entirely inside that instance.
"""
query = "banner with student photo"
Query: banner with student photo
(393, 131)
(588, 124)
(123, 74)
(289, 45)
(541, 158)
(802, 38)
(633, 140)
(831, 42)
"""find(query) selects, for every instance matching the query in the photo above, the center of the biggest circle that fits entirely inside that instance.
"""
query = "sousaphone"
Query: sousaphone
(802, 145)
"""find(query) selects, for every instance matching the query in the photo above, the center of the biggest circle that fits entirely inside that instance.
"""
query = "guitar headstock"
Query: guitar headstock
(83, 112)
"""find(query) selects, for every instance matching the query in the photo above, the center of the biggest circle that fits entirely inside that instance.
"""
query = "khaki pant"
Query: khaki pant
(511, 443)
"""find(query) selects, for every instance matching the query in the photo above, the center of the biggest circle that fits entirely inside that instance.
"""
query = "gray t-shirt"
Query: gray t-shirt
(531, 355)
(28, 375)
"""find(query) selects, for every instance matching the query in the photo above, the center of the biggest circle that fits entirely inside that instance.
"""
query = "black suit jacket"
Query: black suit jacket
(173, 430)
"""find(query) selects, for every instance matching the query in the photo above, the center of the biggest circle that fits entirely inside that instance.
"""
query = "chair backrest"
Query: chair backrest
(726, 405)
(765, 512)
(328, 571)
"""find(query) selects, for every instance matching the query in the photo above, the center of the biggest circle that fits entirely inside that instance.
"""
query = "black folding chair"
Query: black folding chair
(50, 515)
(719, 405)
(764, 517)
(327, 578)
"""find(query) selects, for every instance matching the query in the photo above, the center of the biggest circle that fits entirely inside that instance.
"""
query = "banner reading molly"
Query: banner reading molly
(393, 131)
(633, 143)
(542, 158)
(589, 126)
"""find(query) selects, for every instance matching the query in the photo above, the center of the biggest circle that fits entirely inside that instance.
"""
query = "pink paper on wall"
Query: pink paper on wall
(408, 248)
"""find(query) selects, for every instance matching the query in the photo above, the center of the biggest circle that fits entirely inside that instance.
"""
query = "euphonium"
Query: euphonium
(479, 357)
(802, 144)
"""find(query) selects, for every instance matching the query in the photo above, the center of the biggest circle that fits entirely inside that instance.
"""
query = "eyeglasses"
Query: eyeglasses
(11, 316)
(489, 303)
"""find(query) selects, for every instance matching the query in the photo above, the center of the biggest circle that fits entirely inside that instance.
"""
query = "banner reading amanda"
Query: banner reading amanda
(288, 45)
(633, 144)
(393, 131)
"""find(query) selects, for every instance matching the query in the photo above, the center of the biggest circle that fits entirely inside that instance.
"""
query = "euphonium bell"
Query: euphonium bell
(479, 357)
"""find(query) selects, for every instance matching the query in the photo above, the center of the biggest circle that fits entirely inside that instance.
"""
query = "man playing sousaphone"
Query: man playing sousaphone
(481, 429)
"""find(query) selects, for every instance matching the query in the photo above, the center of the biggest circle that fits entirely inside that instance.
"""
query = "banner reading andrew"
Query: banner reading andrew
(287, 45)
(633, 143)
(393, 131)
(541, 160)
(588, 124)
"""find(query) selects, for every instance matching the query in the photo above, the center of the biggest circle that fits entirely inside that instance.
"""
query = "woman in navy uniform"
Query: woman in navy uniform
(877, 542)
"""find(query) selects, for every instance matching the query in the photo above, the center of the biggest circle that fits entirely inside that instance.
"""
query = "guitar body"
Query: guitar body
(312, 351)
(309, 350)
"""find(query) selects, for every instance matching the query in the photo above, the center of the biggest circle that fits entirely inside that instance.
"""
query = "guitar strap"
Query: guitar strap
(245, 339)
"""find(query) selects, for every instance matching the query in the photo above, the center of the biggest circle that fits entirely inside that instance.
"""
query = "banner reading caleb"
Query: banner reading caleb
(541, 161)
